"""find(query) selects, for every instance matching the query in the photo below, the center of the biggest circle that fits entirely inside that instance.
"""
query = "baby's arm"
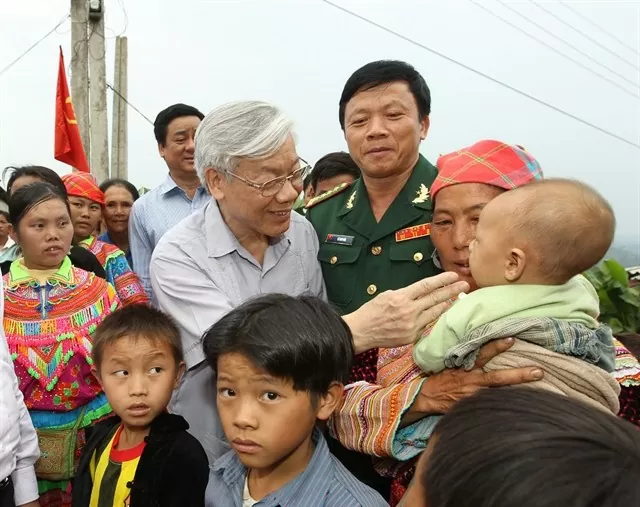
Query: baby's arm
(430, 350)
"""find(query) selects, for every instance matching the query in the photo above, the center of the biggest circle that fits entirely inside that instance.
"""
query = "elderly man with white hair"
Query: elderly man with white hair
(245, 242)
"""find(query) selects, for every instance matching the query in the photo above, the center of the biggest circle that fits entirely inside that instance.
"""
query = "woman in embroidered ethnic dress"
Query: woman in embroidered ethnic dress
(86, 201)
(384, 419)
(51, 310)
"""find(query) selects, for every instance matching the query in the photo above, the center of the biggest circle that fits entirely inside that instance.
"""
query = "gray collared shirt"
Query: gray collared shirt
(152, 216)
(199, 272)
(324, 483)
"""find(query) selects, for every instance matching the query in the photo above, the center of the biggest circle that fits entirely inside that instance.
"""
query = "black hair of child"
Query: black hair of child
(137, 321)
(524, 447)
(301, 339)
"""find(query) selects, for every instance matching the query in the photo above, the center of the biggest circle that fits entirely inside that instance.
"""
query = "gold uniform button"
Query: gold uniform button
(418, 256)
(333, 260)
(372, 289)
(376, 250)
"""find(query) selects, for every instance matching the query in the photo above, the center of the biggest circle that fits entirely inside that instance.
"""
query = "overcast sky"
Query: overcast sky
(298, 54)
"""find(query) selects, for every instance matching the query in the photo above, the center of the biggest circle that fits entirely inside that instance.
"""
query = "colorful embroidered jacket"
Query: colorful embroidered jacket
(48, 329)
(119, 273)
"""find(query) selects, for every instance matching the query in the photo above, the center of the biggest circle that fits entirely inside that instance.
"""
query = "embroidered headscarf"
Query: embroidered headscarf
(83, 185)
(489, 162)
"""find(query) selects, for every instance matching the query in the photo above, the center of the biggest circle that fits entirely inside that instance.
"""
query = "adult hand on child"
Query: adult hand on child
(442, 390)
(397, 317)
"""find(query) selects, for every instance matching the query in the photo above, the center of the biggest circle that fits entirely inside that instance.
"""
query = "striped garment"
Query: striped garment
(324, 483)
(112, 472)
(119, 274)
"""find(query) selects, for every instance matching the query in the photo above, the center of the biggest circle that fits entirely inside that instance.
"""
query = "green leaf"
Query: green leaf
(617, 272)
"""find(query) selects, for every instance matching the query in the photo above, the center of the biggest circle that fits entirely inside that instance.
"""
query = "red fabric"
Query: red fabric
(490, 162)
(364, 367)
(83, 185)
(68, 144)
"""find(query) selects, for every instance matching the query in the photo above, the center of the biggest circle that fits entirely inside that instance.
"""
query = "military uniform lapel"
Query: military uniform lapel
(356, 212)
(410, 204)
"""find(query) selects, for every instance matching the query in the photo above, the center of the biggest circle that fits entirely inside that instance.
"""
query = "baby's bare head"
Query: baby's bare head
(564, 226)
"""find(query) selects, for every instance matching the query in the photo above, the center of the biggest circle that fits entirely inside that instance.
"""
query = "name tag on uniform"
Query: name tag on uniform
(339, 239)
(413, 232)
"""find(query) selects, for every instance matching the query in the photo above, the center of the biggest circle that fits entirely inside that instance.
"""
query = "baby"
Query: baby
(531, 246)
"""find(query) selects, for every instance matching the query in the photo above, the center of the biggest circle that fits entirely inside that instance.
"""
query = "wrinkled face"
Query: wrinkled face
(383, 129)
(44, 234)
(85, 215)
(118, 202)
(490, 248)
(264, 418)
(178, 148)
(455, 217)
(5, 227)
(246, 211)
(138, 376)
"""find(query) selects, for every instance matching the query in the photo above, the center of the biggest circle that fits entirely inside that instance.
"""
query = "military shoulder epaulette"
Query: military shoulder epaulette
(328, 194)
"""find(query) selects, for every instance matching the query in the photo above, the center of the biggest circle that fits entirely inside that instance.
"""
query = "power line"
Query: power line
(575, 48)
(586, 36)
(482, 74)
(566, 5)
(128, 103)
(33, 46)
(549, 46)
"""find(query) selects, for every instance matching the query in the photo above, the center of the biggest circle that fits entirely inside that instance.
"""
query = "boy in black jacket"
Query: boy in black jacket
(143, 456)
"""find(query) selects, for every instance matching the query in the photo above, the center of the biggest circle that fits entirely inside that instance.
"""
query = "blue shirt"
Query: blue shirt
(324, 483)
(107, 239)
(154, 214)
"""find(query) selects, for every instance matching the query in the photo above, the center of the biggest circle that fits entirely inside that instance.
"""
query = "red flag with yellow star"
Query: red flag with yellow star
(68, 143)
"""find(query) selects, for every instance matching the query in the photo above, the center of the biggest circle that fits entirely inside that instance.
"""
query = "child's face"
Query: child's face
(490, 250)
(265, 420)
(138, 376)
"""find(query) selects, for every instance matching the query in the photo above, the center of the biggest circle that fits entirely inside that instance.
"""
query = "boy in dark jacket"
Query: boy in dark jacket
(143, 456)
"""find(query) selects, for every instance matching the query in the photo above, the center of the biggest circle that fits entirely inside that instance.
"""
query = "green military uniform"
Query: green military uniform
(360, 257)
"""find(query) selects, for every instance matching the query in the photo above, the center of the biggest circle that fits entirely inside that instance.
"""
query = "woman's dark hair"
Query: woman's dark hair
(166, 116)
(26, 198)
(44, 174)
(118, 182)
(382, 72)
(524, 447)
(299, 339)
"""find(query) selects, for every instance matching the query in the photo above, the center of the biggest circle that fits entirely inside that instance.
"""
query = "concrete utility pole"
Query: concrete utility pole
(99, 160)
(119, 132)
(80, 70)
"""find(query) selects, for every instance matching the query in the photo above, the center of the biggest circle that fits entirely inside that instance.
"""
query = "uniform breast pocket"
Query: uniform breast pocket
(339, 271)
(411, 260)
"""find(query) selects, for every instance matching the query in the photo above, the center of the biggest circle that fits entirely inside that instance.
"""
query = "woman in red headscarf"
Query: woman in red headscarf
(383, 419)
(86, 200)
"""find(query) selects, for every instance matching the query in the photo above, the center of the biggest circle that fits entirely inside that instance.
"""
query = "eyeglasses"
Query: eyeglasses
(272, 187)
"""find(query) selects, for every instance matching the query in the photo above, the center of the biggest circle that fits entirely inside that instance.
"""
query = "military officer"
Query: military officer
(374, 234)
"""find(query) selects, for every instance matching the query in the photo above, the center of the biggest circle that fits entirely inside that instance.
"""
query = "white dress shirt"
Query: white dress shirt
(18, 439)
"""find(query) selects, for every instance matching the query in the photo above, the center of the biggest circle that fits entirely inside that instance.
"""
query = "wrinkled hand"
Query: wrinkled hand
(397, 317)
(441, 391)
